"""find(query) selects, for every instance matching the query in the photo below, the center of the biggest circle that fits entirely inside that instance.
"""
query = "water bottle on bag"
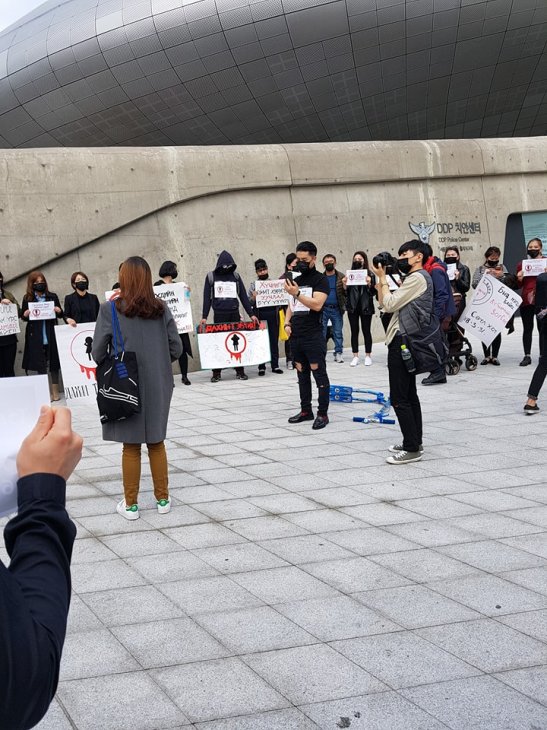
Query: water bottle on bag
(408, 359)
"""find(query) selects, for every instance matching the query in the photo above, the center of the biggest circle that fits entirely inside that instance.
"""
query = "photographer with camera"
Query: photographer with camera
(411, 305)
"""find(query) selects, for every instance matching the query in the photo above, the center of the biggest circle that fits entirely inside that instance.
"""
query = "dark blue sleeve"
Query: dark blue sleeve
(441, 286)
(34, 600)
(206, 299)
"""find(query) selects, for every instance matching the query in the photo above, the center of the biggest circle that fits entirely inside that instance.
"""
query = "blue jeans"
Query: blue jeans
(335, 316)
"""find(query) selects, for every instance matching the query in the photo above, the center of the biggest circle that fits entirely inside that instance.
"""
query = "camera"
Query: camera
(386, 261)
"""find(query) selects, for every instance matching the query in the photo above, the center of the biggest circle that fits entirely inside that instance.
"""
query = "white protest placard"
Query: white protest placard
(298, 306)
(21, 400)
(225, 290)
(534, 267)
(271, 293)
(77, 365)
(177, 298)
(356, 277)
(492, 306)
(233, 345)
(9, 320)
(451, 271)
(393, 281)
(41, 310)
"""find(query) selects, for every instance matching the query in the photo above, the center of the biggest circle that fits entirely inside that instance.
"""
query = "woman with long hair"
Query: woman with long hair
(80, 306)
(360, 308)
(8, 343)
(40, 354)
(148, 329)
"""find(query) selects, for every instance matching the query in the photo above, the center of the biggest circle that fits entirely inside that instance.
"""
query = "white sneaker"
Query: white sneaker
(368, 360)
(164, 506)
(130, 513)
(338, 357)
(354, 362)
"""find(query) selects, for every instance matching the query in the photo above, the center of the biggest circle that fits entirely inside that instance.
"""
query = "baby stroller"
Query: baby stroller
(458, 345)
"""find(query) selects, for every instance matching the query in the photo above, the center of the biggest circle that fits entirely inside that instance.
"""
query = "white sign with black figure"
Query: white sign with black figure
(77, 365)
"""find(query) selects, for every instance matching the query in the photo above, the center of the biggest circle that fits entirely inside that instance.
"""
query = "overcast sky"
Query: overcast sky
(12, 10)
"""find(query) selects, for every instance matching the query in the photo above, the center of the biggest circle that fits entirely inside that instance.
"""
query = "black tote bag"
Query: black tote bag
(117, 379)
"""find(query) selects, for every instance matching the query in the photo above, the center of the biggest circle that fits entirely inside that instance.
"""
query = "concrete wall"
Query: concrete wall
(67, 209)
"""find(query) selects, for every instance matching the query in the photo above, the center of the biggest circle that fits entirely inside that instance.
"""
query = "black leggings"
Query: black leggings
(493, 349)
(527, 314)
(7, 360)
(366, 321)
(540, 372)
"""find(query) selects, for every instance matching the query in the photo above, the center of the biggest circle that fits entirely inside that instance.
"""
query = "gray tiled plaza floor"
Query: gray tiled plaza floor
(301, 582)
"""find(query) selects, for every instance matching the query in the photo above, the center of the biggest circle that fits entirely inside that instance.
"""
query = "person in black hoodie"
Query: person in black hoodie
(35, 588)
(223, 290)
(81, 306)
(168, 273)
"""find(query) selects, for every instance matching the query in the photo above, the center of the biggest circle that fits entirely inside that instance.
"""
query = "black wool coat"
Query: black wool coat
(34, 357)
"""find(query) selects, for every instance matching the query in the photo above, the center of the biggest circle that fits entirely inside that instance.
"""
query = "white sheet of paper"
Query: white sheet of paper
(21, 400)
(534, 267)
(356, 277)
(9, 320)
(451, 270)
(296, 304)
(41, 310)
(393, 284)
(225, 290)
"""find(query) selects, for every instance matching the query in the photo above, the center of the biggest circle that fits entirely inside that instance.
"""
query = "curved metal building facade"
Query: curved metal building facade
(178, 72)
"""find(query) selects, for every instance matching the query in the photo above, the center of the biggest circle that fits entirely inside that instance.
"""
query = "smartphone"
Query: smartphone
(288, 276)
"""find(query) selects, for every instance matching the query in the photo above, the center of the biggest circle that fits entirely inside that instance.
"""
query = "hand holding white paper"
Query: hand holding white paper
(21, 400)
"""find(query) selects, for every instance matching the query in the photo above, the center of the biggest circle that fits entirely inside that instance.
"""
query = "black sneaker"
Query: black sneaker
(186, 381)
(277, 371)
(262, 372)
(320, 421)
(530, 410)
(242, 376)
(526, 360)
(495, 361)
(215, 379)
(302, 416)
(436, 379)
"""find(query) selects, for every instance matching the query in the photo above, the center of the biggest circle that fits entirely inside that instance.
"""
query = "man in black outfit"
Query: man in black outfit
(303, 323)
(35, 589)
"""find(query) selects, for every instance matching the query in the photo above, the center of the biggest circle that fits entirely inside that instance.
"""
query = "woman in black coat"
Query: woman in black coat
(8, 343)
(40, 354)
(168, 273)
(80, 306)
(360, 309)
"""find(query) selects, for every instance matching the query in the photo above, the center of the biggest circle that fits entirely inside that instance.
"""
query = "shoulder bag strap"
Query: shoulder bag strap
(116, 331)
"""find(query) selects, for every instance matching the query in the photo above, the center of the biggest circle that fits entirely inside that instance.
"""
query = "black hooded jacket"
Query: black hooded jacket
(219, 275)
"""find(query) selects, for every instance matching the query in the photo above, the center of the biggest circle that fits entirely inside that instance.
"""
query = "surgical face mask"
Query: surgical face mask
(329, 267)
(533, 253)
(404, 266)
(40, 288)
(357, 265)
(82, 285)
(451, 260)
(262, 277)
(302, 267)
(492, 264)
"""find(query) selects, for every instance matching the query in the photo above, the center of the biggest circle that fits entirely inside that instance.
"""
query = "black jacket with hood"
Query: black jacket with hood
(220, 274)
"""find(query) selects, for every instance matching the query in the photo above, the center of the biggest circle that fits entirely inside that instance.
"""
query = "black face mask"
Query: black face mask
(228, 269)
(329, 267)
(40, 288)
(262, 277)
(533, 253)
(403, 266)
(302, 267)
(451, 260)
(492, 264)
(357, 265)
(81, 285)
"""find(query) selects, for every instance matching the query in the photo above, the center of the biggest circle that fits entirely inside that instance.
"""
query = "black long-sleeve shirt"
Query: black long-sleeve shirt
(34, 600)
